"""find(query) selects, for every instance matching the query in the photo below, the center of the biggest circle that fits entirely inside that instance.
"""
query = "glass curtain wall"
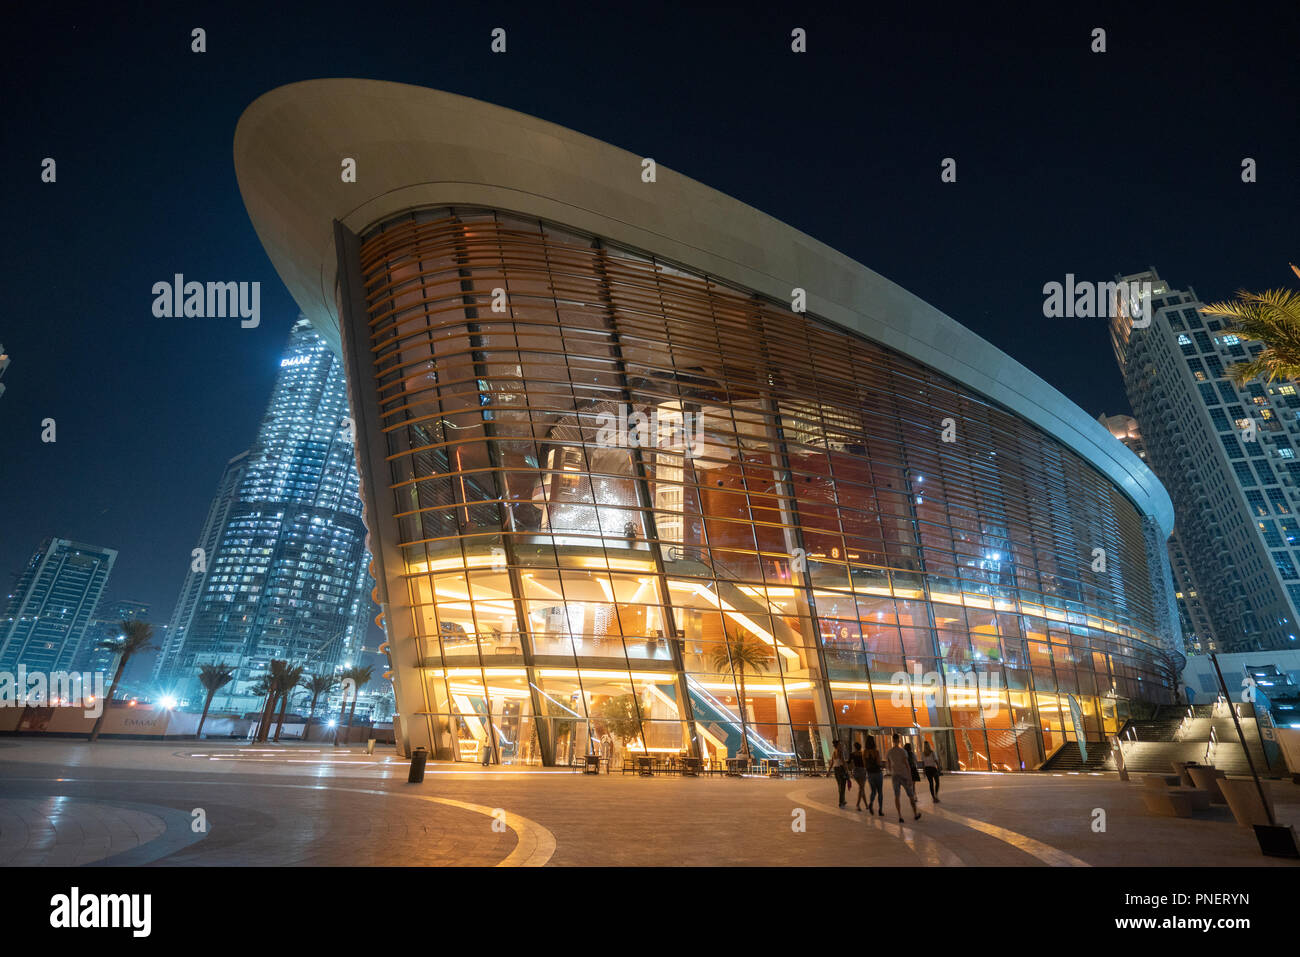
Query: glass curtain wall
(646, 514)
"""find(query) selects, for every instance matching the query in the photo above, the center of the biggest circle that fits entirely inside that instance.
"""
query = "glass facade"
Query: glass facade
(640, 512)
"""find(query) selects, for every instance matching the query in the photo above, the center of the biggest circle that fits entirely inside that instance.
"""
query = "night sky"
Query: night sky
(1068, 162)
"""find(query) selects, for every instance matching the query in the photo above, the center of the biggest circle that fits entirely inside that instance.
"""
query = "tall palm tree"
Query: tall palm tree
(734, 655)
(359, 675)
(1272, 318)
(317, 685)
(213, 678)
(288, 685)
(137, 636)
(262, 688)
(270, 685)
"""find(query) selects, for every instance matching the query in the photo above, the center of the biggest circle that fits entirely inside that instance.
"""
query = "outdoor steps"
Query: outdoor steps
(1158, 729)
(1067, 759)
(1159, 756)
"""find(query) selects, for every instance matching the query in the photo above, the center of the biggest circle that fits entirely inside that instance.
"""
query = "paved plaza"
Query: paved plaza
(66, 802)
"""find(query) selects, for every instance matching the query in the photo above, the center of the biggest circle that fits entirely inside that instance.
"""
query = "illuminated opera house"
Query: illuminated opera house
(647, 472)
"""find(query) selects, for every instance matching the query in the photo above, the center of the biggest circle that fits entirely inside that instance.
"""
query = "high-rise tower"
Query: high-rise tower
(1227, 456)
(53, 604)
(284, 569)
(192, 588)
(1194, 618)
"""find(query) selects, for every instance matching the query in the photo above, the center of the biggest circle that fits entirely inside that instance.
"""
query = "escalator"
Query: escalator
(723, 726)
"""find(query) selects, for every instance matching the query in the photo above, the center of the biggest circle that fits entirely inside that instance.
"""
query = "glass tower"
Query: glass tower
(1227, 456)
(285, 572)
(48, 614)
(192, 588)
(1193, 616)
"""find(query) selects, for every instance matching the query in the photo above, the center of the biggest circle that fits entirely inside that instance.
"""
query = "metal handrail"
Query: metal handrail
(716, 566)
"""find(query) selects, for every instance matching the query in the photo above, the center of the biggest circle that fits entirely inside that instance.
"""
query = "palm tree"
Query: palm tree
(287, 684)
(136, 637)
(317, 685)
(270, 685)
(1272, 318)
(359, 675)
(213, 678)
(262, 687)
(735, 655)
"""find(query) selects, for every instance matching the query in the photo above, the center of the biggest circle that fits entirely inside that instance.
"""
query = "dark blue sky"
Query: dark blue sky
(1068, 161)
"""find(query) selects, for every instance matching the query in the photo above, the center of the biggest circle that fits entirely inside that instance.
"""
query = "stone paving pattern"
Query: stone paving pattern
(68, 802)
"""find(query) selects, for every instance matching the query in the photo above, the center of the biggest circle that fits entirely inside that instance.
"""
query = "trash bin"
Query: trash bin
(370, 746)
(418, 757)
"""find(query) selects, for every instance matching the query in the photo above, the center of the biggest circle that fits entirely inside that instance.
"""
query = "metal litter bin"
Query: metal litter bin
(418, 758)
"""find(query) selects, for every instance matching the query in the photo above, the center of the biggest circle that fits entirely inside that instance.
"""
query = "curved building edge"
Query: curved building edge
(414, 147)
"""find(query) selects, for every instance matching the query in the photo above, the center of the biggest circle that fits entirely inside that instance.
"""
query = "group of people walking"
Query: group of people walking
(866, 766)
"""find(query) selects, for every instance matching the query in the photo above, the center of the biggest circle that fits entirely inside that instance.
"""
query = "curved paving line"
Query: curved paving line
(1021, 842)
(178, 835)
(177, 832)
(930, 852)
(534, 845)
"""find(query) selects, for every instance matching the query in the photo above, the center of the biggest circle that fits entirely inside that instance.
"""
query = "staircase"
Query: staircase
(1066, 759)
(1163, 727)
(1155, 744)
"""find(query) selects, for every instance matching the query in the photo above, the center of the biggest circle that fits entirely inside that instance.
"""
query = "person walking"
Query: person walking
(838, 769)
(930, 761)
(900, 770)
(875, 775)
(859, 761)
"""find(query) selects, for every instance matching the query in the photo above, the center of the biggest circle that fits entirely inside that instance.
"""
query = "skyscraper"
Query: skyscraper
(1193, 616)
(1227, 457)
(56, 597)
(284, 571)
(192, 588)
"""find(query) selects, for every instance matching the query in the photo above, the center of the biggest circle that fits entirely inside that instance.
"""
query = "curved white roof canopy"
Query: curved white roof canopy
(418, 147)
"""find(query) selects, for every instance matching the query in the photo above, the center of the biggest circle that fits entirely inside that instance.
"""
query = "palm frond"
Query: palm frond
(215, 677)
(319, 684)
(739, 652)
(1271, 318)
(360, 674)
